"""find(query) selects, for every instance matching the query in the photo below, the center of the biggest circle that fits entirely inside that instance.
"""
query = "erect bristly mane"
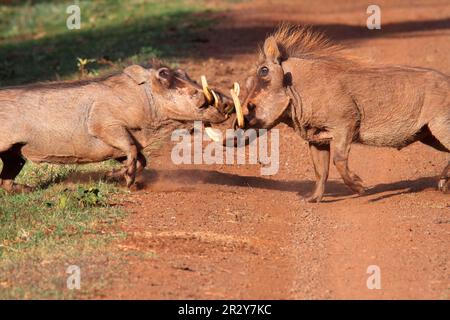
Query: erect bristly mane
(297, 41)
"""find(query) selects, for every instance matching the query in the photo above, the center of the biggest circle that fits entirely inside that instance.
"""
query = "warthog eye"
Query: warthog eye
(263, 71)
(164, 73)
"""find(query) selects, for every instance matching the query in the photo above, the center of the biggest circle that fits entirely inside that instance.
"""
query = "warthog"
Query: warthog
(115, 117)
(332, 99)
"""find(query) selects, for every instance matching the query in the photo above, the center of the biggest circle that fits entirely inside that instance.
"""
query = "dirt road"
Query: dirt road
(225, 231)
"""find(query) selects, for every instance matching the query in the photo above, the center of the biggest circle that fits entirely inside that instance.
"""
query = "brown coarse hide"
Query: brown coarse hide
(115, 117)
(333, 100)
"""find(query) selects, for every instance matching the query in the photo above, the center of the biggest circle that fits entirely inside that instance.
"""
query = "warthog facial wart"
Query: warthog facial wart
(189, 150)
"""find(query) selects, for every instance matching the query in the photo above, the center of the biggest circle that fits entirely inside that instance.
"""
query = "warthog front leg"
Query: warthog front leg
(320, 155)
(341, 147)
(119, 138)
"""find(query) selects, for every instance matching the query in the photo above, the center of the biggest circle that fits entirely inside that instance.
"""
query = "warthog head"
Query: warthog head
(178, 97)
(267, 98)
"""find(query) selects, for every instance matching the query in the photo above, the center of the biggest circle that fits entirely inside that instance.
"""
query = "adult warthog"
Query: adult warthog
(89, 121)
(333, 100)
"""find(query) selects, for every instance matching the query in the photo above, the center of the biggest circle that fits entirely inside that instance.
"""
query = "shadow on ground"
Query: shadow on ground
(190, 179)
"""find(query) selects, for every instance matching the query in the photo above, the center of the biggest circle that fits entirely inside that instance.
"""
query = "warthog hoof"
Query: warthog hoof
(362, 191)
(358, 188)
(16, 188)
(314, 198)
(136, 186)
(443, 185)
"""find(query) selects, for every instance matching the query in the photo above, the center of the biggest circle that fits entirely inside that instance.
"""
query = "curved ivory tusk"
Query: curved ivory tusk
(238, 107)
(206, 89)
(216, 99)
(213, 134)
(236, 88)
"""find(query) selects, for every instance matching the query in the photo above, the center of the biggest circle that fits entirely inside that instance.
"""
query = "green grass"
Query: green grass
(58, 224)
(36, 45)
(55, 210)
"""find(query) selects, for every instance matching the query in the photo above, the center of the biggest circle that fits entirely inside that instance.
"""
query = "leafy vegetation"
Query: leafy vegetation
(36, 45)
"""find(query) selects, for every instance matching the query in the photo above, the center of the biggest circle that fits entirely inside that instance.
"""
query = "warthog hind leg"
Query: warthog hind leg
(341, 145)
(320, 155)
(440, 130)
(13, 162)
(444, 180)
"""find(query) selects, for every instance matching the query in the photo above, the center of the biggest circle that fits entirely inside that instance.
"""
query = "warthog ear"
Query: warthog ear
(271, 50)
(137, 73)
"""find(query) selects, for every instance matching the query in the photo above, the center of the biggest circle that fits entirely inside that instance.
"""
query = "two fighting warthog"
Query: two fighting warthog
(302, 79)
(111, 118)
(334, 100)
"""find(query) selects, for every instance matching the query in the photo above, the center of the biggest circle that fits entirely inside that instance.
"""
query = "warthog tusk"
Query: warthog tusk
(237, 105)
(212, 133)
(216, 99)
(236, 88)
(206, 92)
